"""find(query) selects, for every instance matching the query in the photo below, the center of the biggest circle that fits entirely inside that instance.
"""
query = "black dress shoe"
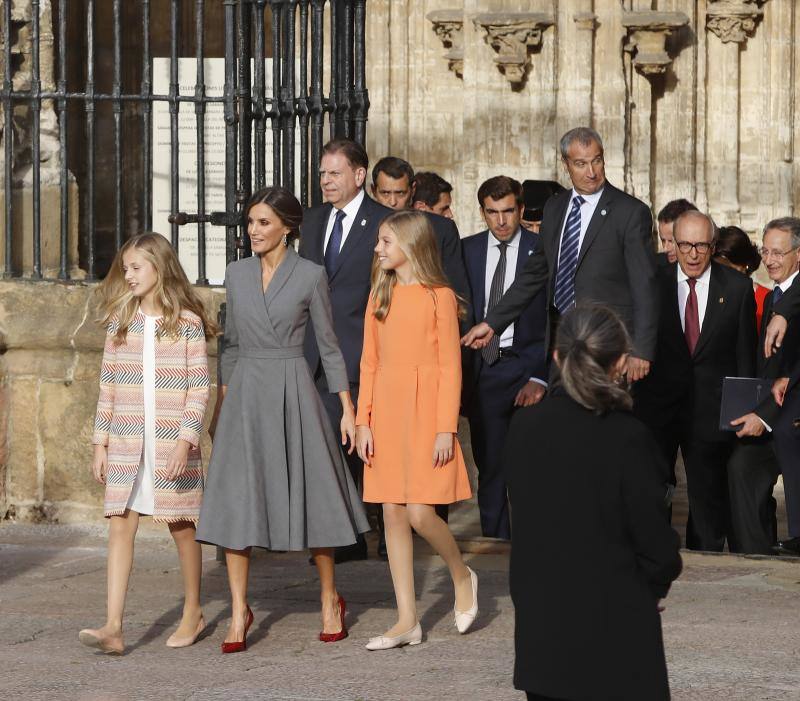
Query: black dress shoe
(350, 553)
(382, 553)
(789, 547)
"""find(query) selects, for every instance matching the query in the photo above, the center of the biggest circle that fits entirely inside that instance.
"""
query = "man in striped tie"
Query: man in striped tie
(597, 246)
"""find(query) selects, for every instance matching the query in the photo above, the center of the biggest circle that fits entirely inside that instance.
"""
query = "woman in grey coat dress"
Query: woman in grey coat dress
(277, 477)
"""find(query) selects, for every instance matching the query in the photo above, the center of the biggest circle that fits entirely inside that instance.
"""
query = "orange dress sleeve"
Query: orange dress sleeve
(449, 348)
(369, 364)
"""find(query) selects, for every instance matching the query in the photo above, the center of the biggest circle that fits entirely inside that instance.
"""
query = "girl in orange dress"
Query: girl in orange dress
(408, 414)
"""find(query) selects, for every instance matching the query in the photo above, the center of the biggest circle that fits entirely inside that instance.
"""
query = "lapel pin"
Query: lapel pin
(363, 222)
(602, 212)
(529, 252)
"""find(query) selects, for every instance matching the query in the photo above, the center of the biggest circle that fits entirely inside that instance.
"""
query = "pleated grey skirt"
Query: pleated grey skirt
(277, 477)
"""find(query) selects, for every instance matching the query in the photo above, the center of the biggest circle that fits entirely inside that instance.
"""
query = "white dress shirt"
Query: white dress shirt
(701, 290)
(492, 259)
(587, 212)
(350, 211)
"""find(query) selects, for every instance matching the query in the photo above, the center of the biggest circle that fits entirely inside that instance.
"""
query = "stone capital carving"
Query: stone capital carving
(647, 38)
(733, 20)
(449, 27)
(514, 35)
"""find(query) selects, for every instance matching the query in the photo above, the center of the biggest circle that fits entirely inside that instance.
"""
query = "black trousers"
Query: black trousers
(787, 448)
(706, 463)
(538, 697)
(489, 416)
(333, 405)
(752, 473)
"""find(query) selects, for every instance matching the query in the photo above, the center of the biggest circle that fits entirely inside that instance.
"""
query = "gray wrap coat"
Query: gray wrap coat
(277, 477)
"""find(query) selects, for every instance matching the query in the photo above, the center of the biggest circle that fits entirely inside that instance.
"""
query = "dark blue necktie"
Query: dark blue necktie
(334, 243)
(777, 293)
(564, 297)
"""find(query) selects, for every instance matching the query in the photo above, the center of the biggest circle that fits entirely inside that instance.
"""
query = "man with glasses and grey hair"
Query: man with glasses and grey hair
(597, 246)
(754, 467)
(707, 331)
(781, 255)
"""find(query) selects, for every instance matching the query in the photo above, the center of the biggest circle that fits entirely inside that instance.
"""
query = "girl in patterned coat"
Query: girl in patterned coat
(153, 392)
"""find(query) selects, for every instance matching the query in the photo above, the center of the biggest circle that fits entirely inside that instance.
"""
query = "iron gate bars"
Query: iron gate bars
(291, 34)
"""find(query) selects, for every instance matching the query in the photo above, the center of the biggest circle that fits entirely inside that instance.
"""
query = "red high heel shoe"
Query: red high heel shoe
(240, 646)
(342, 634)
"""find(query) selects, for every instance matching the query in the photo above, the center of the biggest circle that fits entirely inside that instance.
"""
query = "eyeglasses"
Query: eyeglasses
(777, 255)
(702, 248)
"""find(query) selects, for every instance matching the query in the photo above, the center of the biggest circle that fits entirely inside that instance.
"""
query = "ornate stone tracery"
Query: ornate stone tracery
(514, 35)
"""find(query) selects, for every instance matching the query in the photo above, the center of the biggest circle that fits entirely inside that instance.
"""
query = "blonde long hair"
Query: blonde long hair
(173, 291)
(418, 242)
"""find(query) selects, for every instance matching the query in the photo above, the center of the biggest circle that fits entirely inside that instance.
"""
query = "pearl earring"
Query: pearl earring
(285, 240)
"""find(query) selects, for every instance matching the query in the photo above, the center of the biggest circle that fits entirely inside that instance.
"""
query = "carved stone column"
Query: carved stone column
(647, 38)
(449, 27)
(733, 20)
(514, 35)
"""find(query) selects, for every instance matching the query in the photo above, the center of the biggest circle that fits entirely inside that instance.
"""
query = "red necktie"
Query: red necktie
(691, 319)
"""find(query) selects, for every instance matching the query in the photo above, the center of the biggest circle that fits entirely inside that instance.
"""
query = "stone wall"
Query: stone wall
(50, 353)
(694, 98)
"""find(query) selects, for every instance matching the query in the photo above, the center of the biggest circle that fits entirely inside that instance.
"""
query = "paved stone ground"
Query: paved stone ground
(731, 628)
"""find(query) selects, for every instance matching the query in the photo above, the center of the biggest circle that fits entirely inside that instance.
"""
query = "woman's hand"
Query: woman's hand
(442, 449)
(364, 444)
(178, 460)
(100, 463)
(348, 428)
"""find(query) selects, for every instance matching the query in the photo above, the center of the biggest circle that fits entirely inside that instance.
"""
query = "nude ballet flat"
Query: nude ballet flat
(90, 638)
(412, 637)
(186, 641)
(465, 619)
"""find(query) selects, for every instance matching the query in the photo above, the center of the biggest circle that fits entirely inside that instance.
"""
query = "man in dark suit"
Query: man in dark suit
(511, 371)
(707, 331)
(432, 194)
(341, 235)
(596, 247)
(664, 221)
(754, 468)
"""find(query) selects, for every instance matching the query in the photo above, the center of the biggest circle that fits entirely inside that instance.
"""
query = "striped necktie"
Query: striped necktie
(564, 297)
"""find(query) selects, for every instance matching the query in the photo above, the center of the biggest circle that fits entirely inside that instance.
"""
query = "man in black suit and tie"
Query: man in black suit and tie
(596, 247)
(754, 467)
(511, 370)
(707, 331)
(664, 221)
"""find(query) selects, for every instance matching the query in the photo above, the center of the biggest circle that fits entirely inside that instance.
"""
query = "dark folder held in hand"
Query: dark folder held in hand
(740, 396)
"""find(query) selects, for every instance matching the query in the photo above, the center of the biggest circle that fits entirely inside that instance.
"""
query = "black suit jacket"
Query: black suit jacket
(529, 329)
(616, 266)
(605, 471)
(349, 284)
(684, 387)
(779, 364)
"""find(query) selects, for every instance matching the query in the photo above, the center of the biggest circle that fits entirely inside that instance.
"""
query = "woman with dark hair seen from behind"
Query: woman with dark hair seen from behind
(588, 624)
(277, 477)
(735, 249)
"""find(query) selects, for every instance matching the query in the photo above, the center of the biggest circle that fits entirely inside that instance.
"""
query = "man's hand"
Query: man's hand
(750, 424)
(776, 330)
(636, 368)
(779, 390)
(531, 393)
(478, 336)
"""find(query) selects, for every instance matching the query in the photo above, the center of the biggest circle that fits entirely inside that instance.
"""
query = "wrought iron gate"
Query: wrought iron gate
(294, 107)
